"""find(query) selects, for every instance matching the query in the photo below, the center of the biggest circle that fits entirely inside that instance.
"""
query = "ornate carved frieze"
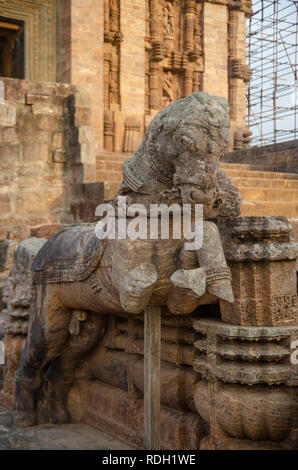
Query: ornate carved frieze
(176, 46)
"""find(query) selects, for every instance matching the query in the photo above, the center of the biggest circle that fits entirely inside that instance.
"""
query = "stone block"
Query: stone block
(57, 140)
(2, 92)
(33, 99)
(82, 100)
(82, 117)
(83, 154)
(7, 115)
(10, 136)
(49, 123)
(59, 156)
(46, 108)
(5, 203)
(86, 135)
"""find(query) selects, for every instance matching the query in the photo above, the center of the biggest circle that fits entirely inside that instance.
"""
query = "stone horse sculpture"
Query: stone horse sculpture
(75, 272)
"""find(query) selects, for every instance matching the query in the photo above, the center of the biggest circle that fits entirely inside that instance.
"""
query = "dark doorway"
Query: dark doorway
(12, 51)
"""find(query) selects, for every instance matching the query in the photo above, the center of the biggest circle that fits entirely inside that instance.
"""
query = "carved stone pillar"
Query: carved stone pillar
(188, 82)
(190, 8)
(108, 37)
(156, 20)
(107, 67)
(157, 54)
(262, 261)
(108, 132)
(114, 80)
(114, 16)
(155, 85)
(239, 75)
(197, 80)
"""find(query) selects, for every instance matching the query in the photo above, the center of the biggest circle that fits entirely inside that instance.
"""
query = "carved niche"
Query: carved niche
(173, 46)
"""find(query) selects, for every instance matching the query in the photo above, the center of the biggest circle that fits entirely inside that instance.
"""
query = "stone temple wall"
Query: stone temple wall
(47, 159)
(282, 156)
(136, 56)
(157, 51)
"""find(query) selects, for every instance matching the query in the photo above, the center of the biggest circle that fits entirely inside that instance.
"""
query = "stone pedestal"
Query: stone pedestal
(248, 392)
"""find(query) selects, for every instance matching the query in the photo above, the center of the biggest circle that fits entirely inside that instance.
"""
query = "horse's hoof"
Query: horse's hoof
(24, 418)
(60, 416)
(222, 290)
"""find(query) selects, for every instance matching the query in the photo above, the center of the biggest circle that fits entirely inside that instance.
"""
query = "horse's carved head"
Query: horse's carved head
(181, 149)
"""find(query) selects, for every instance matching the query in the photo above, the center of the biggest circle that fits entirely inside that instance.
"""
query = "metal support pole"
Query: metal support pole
(152, 316)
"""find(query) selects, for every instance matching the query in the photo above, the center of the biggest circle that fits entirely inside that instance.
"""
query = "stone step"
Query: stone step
(109, 176)
(265, 194)
(259, 208)
(242, 166)
(113, 161)
(265, 183)
(112, 157)
(260, 174)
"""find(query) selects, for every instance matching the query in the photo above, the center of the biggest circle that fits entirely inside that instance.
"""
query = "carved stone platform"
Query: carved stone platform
(248, 394)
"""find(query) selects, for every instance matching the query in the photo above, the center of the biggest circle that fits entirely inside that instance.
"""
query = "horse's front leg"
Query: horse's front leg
(212, 280)
(211, 256)
(136, 287)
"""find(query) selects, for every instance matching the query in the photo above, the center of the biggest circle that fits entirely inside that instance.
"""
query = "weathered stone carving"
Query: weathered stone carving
(239, 75)
(112, 39)
(262, 261)
(248, 393)
(177, 47)
(17, 295)
(74, 271)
